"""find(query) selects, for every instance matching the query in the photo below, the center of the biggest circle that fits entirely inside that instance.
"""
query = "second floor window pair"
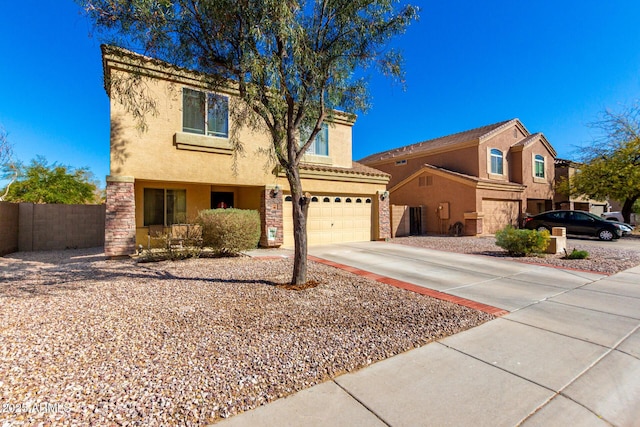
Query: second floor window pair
(208, 114)
(205, 113)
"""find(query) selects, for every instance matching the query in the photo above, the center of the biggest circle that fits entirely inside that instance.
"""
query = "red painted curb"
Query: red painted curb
(495, 311)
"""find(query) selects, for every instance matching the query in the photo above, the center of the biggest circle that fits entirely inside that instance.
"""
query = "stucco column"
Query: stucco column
(383, 216)
(271, 217)
(120, 219)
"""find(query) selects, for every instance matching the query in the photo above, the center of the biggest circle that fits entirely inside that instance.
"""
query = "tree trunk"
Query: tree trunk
(627, 208)
(300, 206)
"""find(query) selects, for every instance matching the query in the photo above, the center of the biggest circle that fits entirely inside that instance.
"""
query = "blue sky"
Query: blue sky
(556, 65)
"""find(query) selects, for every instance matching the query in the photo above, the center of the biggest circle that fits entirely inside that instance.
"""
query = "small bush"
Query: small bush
(522, 242)
(229, 231)
(576, 254)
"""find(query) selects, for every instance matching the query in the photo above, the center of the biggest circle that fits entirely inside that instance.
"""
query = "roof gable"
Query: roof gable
(530, 140)
(472, 181)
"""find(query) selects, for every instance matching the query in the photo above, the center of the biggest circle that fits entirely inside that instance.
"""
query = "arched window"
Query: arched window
(337, 200)
(368, 201)
(348, 200)
(496, 162)
(538, 166)
(314, 199)
(326, 200)
(288, 199)
(358, 200)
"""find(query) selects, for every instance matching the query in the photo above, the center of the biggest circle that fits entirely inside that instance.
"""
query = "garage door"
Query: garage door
(332, 219)
(498, 213)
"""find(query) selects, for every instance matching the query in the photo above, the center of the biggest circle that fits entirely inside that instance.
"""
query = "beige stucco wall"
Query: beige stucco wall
(152, 153)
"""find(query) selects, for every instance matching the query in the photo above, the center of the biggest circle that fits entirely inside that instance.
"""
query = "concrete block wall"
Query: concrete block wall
(9, 214)
(29, 227)
(67, 227)
(400, 220)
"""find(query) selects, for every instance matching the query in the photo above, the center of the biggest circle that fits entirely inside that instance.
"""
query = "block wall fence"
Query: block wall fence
(29, 227)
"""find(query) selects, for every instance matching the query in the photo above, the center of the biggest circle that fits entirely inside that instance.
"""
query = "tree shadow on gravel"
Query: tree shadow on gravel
(31, 274)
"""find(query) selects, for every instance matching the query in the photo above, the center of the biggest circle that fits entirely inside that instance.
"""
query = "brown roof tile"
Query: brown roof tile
(444, 141)
(355, 169)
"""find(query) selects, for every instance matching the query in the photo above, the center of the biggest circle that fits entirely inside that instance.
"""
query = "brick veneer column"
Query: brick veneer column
(384, 216)
(120, 219)
(271, 216)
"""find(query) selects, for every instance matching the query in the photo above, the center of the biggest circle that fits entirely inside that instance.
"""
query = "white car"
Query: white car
(613, 216)
(618, 219)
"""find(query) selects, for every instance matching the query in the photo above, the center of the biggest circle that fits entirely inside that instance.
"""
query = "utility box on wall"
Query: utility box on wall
(443, 210)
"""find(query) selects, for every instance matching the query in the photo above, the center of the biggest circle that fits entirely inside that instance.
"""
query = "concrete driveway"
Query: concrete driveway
(568, 353)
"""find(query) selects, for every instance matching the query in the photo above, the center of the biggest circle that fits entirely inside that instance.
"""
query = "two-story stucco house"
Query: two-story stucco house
(482, 178)
(184, 162)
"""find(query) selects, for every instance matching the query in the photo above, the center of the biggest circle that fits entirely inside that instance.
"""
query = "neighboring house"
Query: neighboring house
(480, 180)
(565, 169)
(184, 162)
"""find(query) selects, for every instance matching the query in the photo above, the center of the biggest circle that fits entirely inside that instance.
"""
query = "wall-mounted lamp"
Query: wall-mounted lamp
(276, 191)
(384, 195)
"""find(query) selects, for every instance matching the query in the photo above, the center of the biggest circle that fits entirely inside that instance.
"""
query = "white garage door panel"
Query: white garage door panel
(332, 222)
(499, 213)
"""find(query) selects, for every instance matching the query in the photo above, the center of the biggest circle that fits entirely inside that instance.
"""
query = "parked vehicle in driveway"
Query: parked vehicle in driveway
(576, 222)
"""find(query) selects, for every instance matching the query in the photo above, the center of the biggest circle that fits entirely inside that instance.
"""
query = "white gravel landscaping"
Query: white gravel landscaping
(86, 341)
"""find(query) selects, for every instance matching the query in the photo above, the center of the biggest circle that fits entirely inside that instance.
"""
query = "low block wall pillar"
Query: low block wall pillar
(271, 217)
(473, 223)
(120, 219)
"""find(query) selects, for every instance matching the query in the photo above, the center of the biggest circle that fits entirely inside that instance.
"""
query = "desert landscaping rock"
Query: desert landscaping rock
(601, 260)
(86, 341)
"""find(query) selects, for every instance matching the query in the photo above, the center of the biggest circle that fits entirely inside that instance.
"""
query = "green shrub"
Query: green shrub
(522, 242)
(229, 231)
(576, 254)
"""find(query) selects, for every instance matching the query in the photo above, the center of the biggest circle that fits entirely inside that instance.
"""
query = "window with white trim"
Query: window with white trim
(164, 206)
(497, 161)
(320, 145)
(205, 113)
(538, 166)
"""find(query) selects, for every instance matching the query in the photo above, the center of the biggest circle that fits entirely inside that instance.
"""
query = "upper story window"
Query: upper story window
(205, 113)
(538, 166)
(320, 146)
(496, 162)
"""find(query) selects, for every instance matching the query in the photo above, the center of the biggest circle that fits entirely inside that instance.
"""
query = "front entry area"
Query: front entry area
(332, 219)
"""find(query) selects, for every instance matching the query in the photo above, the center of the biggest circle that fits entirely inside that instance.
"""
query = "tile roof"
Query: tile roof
(528, 140)
(355, 169)
(444, 141)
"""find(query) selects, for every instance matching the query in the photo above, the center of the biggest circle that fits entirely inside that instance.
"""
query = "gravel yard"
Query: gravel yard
(88, 341)
(602, 259)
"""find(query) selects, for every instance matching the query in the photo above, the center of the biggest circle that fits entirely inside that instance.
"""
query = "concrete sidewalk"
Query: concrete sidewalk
(568, 353)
